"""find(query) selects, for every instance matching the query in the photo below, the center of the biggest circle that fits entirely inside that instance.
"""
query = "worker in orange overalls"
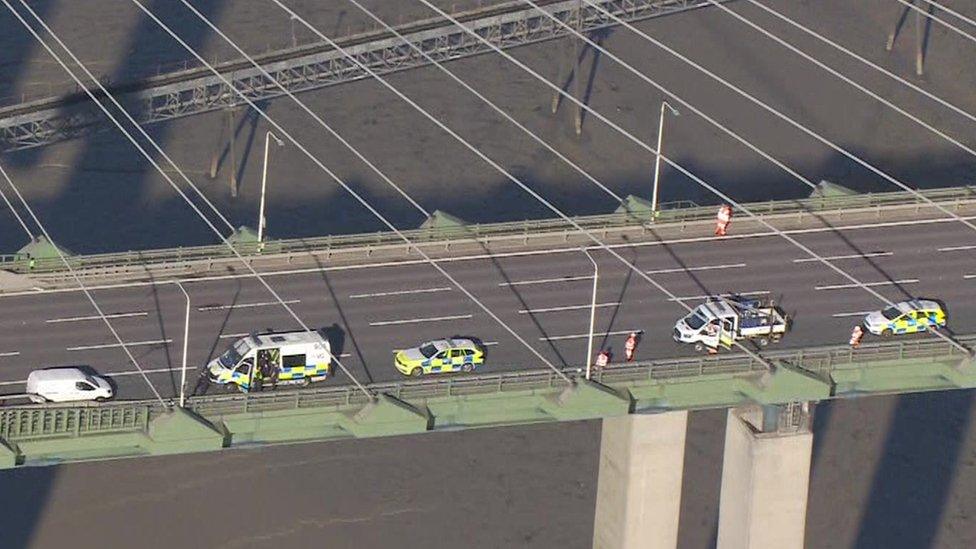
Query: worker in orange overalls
(723, 219)
(602, 359)
(856, 335)
(630, 346)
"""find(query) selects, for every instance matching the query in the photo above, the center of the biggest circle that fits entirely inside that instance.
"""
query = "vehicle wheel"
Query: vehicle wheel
(306, 382)
(467, 368)
(886, 332)
(416, 372)
(699, 347)
(763, 342)
(101, 399)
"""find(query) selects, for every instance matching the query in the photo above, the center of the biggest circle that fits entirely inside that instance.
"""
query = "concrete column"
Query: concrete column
(638, 496)
(765, 478)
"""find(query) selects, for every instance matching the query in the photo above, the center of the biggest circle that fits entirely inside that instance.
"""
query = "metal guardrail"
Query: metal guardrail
(20, 423)
(681, 213)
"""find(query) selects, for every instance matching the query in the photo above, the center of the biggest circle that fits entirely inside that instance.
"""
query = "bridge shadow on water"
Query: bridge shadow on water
(914, 478)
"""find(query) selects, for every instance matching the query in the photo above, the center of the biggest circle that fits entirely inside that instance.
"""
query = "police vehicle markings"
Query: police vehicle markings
(416, 320)
(485, 343)
(247, 305)
(567, 308)
(868, 284)
(851, 256)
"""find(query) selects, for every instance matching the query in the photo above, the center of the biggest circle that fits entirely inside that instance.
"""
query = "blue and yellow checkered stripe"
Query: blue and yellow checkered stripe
(300, 372)
(922, 322)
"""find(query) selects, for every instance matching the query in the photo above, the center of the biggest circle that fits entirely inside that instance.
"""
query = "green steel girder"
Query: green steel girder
(55, 435)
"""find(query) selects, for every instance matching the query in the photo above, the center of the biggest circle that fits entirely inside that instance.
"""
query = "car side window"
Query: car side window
(442, 354)
(457, 353)
(83, 386)
(468, 352)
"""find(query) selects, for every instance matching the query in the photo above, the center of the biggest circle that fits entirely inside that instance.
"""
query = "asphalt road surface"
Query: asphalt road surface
(543, 296)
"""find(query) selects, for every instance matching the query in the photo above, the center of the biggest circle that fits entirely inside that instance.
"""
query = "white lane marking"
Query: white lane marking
(868, 284)
(957, 248)
(95, 317)
(547, 280)
(566, 308)
(228, 336)
(10, 353)
(702, 268)
(247, 305)
(15, 395)
(853, 313)
(577, 336)
(530, 253)
(851, 256)
(111, 345)
(756, 292)
(402, 292)
(968, 276)
(416, 320)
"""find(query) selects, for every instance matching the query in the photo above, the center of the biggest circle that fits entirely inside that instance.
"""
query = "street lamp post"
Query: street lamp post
(589, 345)
(657, 162)
(186, 339)
(264, 182)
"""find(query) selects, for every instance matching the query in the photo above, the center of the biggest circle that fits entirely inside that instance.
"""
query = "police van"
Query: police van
(282, 358)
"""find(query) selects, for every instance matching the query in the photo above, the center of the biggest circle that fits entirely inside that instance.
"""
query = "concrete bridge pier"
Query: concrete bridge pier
(638, 496)
(765, 477)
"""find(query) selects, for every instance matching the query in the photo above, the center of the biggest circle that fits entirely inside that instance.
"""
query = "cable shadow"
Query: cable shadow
(345, 322)
(913, 480)
(597, 36)
(620, 300)
(154, 291)
(203, 382)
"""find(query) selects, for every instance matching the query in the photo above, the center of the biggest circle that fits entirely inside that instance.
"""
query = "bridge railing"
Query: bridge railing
(677, 213)
(19, 423)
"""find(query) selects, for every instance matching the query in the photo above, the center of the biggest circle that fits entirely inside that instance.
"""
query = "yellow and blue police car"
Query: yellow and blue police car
(440, 356)
(907, 317)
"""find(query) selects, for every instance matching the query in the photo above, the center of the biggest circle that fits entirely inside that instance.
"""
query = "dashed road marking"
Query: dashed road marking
(418, 320)
(10, 353)
(96, 317)
(247, 305)
(111, 345)
(566, 308)
(868, 284)
(547, 280)
(756, 292)
(851, 256)
(402, 292)
(702, 268)
(853, 313)
(578, 336)
(957, 248)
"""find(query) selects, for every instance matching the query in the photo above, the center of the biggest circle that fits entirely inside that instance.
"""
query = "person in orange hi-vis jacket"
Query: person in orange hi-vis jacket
(602, 359)
(630, 346)
(723, 219)
(856, 335)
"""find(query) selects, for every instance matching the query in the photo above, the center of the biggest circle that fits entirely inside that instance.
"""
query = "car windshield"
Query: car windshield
(694, 321)
(891, 313)
(91, 380)
(428, 350)
(233, 355)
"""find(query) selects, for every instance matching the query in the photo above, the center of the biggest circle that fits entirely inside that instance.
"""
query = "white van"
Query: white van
(66, 385)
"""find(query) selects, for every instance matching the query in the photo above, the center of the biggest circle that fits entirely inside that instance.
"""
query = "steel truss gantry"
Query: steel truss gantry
(310, 67)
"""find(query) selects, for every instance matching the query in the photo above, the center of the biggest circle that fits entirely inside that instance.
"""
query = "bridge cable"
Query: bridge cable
(738, 90)
(433, 119)
(952, 12)
(159, 168)
(13, 210)
(88, 294)
(624, 132)
(862, 59)
(342, 183)
(848, 80)
(946, 24)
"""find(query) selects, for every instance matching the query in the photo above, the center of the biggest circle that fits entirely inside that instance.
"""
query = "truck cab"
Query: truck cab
(273, 358)
(721, 321)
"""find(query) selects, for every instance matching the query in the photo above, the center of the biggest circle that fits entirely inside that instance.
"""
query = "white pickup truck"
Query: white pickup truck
(721, 321)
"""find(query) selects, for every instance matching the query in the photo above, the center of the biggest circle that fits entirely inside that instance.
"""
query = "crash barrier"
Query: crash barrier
(676, 212)
(37, 435)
